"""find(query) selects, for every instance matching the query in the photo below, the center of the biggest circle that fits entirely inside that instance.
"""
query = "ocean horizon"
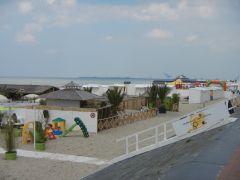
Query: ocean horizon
(60, 81)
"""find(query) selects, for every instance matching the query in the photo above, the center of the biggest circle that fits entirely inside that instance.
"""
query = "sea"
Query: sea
(60, 81)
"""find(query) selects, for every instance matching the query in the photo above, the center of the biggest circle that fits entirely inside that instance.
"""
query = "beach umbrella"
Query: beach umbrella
(3, 98)
(31, 96)
(38, 100)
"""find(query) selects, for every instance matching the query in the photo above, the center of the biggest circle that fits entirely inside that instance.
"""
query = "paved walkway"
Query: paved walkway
(60, 157)
(232, 170)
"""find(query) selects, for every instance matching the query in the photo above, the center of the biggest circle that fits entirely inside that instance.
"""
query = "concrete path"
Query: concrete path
(200, 157)
(57, 156)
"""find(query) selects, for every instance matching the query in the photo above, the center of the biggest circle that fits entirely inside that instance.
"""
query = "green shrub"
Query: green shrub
(40, 134)
(175, 98)
(9, 137)
(168, 103)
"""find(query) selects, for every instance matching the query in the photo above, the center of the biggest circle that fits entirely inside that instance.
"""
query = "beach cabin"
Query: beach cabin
(216, 93)
(199, 95)
(72, 96)
(133, 102)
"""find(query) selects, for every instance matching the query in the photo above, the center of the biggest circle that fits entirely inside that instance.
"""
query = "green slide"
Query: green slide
(80, 124)
(66, 131)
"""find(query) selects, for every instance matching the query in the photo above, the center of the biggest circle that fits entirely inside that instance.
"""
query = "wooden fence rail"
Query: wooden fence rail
(120, 120)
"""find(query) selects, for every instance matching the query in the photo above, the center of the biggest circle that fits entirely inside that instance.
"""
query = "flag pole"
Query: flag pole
(34, 131)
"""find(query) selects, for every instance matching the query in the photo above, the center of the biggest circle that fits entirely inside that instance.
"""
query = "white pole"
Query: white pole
(34, 131)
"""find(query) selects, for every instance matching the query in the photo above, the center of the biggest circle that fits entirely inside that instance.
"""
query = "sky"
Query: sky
(137, 38)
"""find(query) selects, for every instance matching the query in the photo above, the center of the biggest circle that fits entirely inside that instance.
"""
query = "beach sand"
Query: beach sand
(102, 146)
(36, 169)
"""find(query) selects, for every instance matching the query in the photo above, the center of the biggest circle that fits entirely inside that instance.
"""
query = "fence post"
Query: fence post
(136, 142)
(126, 145)
(156, 135)
(165, 131)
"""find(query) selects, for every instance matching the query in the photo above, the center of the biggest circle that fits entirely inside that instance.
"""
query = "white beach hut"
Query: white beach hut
(137, 89)
(199, 95)
(216, 93)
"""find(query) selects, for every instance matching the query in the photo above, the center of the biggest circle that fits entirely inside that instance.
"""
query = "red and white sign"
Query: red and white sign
(92, 115)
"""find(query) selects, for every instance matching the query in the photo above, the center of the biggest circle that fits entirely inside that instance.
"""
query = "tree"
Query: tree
(162, 92)
(115, 97)
(175, 100)
(88, 89)
(152, 95)
(13, 94)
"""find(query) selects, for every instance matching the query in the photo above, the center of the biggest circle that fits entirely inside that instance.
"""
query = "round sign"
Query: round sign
(92, 115)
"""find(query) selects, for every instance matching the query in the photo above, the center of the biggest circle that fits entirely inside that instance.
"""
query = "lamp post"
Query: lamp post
(34, 131)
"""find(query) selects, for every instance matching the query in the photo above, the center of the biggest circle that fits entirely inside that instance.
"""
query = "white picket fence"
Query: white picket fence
(147, 137)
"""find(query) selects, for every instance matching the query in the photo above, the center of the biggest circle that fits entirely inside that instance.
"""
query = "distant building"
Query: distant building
(180, 82)
(28, 89)
(72, 96)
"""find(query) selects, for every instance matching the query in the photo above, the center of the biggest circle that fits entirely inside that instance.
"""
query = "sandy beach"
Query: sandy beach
(102, 146)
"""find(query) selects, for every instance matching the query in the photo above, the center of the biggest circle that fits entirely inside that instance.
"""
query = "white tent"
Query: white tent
(216, 93)
(199, 95)
(38, 100)
(31, 96)
(3, 98)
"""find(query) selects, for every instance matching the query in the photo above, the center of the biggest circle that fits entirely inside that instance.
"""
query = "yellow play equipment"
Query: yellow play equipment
(26, 133)
(58, 123)
(198, 121)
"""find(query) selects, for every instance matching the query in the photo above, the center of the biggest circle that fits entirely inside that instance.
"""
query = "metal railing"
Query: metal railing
(148, 137)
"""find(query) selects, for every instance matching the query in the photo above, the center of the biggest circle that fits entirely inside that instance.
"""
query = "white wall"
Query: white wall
(91, 123)
(212, 115)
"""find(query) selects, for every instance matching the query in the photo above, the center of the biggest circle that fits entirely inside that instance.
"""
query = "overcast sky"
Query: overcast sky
(137, 38)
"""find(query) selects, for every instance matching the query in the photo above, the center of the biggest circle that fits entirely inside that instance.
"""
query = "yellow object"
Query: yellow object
(177, 82)
(59, 122)
(26, 135)
(197, 121)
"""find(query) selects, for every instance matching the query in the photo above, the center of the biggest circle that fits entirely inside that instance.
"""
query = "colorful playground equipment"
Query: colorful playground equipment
(58, 123)
(26, 133)
(50, 132)
(223, 84)
(78, 122)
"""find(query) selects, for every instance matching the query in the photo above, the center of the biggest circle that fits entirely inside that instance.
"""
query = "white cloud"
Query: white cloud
(108, 38)
(155, 12)
(159, 34)
(32, 28)
(205, 11)
(183, 4)
(50, 2)
(25, 38)
(70, 3)
(191, 38)
(25, 7)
